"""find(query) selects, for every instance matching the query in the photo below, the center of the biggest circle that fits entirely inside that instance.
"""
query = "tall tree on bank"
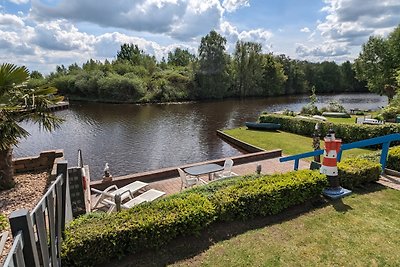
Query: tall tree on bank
(378, 62)
(273, 76)
(19, 103)
(211, 75)
(247, 62)
(180, 57)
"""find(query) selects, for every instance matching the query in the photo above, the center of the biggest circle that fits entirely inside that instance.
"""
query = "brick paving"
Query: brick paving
(390, 181)
(269, 166)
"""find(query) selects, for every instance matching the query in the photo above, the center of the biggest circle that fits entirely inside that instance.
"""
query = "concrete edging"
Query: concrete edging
(238, 143)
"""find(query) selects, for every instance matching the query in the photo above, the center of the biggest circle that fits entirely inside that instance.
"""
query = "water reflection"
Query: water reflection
(134, 138)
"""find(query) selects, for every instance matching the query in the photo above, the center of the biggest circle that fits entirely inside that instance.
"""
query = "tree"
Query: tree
(36, 75)
(18, 104)
(180, 57)
(273, 76)
(378, 62)
(211, 76)
(247, 62)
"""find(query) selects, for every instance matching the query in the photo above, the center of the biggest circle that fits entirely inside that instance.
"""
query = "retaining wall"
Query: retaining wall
(44, 161)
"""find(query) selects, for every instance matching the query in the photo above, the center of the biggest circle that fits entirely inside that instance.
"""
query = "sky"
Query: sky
(42, 34)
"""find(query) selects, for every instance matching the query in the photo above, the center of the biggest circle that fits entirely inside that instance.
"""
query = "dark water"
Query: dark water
(134, 138)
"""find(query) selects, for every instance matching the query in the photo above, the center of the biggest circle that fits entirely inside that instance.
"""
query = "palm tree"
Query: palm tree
(18, 103)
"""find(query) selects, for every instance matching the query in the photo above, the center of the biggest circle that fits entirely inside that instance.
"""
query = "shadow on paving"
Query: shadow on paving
(186, 247)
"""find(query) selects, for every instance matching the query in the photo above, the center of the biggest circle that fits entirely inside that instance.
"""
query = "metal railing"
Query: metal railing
(38, 234)
(382, 140)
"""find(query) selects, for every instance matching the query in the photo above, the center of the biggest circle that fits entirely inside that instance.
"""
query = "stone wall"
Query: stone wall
(44, 161)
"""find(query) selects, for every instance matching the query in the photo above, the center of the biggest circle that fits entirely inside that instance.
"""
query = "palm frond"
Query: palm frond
(12, 76)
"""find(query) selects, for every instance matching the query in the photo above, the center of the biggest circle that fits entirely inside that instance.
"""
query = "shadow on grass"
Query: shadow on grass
(186, 247)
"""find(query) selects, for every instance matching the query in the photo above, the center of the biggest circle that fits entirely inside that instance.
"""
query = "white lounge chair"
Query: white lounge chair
(125, 192)
(147, 196)
(189, 181)
(227, 172)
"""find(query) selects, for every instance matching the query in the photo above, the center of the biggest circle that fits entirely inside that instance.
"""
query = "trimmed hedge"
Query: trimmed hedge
(347, 132)
(358, 171)
(99, 237)
(267, 195)
(94, 239)
(393, 161)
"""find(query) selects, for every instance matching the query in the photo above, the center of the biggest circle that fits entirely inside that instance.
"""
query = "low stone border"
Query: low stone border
(238, 143)
(44, 161)
(172, 172)
(392, 172)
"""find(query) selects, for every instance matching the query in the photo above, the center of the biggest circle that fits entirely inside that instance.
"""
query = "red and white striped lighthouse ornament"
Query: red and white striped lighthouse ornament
(329, 166)
(332, 148)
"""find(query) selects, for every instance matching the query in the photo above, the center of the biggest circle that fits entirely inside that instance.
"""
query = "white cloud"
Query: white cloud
(232, 34)
(353, 21)
(305, 29)
(182, 19)
(325, 50)
(9, 20)
(19, 2)
(232, 5)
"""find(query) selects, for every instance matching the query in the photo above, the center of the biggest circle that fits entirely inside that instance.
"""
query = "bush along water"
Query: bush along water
(97, 238)
(347, 132)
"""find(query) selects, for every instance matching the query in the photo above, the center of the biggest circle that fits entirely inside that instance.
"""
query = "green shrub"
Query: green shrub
(97, 238)
(347, 132)
(267, 195)
(3, 222)
(355, 172)
(334, 106)
(94, 239)
(393, 161)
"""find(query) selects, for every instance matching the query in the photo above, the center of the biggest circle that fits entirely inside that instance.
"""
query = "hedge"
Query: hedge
(94, 239)
(99, 237)
(357, 171)
(393, 161)
(347, 132)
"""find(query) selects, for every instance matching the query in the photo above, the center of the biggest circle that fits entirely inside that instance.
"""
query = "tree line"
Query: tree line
(135, 76)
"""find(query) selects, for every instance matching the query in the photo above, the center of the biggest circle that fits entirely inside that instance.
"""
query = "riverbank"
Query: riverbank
(289, 143)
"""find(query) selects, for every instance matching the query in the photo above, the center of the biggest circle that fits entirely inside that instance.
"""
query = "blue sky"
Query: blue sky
(44, 33)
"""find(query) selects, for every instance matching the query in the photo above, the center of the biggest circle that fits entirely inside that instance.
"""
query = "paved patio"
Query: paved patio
(269, 166)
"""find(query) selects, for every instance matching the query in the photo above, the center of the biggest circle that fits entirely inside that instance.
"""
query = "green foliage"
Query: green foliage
(98, 238)
(347, 132)
(92, 240)
(357, 171)
(267, 195)
(378, 62)
(393, 161)
(180, 57)
(391, 111)
(334, 106)
(3, 222)
(212, 77)
(123, 88)
(311, 108)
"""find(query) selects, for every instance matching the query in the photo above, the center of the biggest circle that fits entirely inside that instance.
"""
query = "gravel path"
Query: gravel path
(28, 190)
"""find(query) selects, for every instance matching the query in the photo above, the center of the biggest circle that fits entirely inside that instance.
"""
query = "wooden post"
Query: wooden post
(20, 220)
(117, 200)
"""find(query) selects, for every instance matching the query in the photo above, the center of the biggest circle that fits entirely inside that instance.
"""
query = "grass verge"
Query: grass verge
(359, 230)
(289, 143)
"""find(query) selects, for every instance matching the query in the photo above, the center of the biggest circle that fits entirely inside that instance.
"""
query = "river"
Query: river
(136, 138)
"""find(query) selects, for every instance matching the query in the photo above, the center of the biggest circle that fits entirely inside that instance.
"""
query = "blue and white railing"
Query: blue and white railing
(382, 140)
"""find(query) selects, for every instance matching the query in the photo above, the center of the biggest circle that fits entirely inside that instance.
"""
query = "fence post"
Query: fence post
(117, 200)
(62, 169)
(20, 220)
(384, 154)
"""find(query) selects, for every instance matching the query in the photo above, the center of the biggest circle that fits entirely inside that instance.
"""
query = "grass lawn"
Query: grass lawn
(362, 229)
(289, 143)
(351, 120)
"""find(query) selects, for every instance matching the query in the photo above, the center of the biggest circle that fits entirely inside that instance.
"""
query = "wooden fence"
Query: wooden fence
(38, 233)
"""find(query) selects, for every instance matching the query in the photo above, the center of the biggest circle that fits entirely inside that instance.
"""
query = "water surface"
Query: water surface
(136, 138)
